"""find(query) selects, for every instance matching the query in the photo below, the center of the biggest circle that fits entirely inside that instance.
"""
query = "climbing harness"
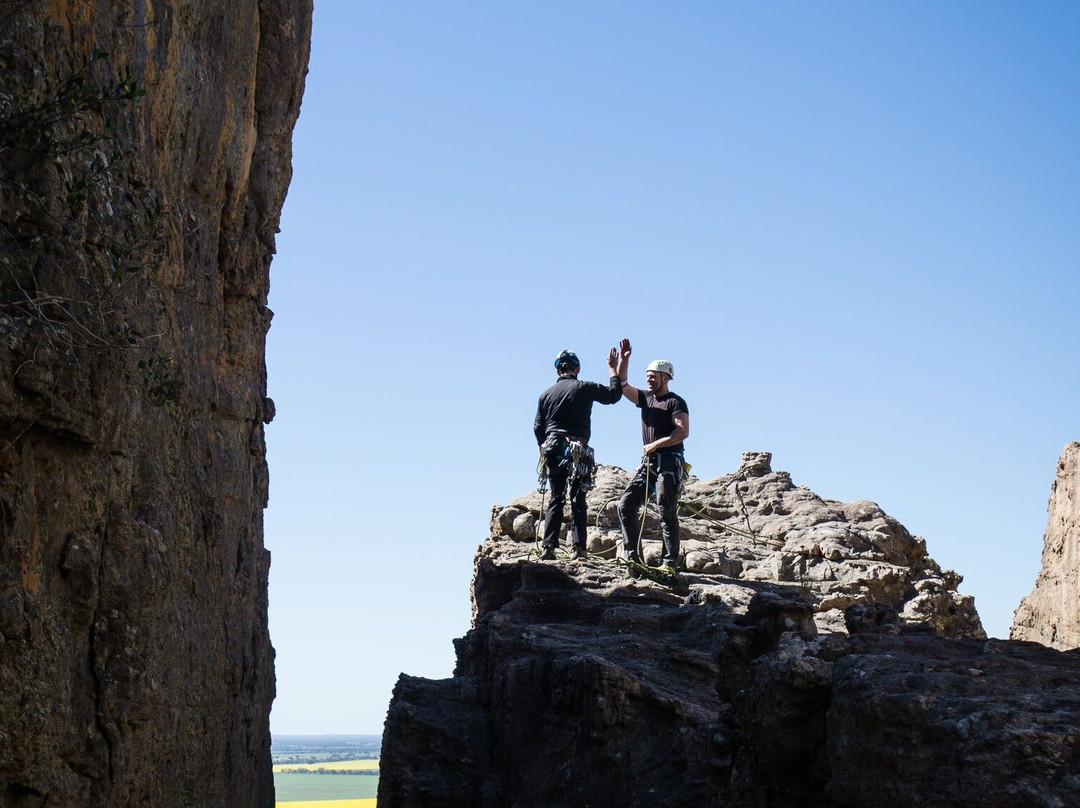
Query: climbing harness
(574, 455)
(681, 468)
(565, 452)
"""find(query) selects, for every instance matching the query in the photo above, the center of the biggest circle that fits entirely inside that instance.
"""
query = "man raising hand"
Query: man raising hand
(665, 424)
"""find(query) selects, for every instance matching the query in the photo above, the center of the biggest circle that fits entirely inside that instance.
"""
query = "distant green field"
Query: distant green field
(299, 787)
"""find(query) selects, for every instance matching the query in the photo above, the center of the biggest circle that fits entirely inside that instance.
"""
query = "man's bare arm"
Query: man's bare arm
(628, 390)
(681, 433)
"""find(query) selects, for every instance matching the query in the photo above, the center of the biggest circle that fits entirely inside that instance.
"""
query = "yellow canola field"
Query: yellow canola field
(328, 804)
(340, 765)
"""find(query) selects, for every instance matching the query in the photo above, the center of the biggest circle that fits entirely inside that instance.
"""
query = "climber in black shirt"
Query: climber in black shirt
(562, 427)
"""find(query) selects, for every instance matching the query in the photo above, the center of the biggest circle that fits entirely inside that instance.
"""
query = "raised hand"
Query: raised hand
(624, 348)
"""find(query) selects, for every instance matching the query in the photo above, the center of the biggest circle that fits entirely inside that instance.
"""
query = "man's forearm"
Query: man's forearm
(674, 439)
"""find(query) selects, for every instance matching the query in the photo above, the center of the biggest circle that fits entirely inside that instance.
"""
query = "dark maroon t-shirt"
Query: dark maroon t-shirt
(656, 416)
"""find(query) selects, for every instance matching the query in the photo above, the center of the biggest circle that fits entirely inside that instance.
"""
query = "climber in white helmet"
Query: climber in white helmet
(665, 424)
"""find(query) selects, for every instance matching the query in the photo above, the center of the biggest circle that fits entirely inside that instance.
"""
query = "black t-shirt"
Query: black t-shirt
(566, 406)
(656, 416)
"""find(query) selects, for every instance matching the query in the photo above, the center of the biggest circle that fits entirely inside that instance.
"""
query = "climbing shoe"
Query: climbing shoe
(548, 554)
(581, 554)
(668, 571)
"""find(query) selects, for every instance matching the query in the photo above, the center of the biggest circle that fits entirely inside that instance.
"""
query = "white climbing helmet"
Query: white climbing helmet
(663, 366)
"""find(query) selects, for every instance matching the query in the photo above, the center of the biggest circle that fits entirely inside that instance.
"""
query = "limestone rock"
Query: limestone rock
(135, 240)
(1051, 613)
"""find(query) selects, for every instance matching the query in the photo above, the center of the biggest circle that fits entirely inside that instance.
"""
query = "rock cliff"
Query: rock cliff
(811, 654)
(1051, 613)
(144, 158)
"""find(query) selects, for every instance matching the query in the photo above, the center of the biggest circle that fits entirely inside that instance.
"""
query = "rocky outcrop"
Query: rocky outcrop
(736, 684)
(1051, 613)
(144, 158)
(757, 525)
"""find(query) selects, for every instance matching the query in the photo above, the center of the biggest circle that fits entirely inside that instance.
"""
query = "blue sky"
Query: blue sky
(851, 226)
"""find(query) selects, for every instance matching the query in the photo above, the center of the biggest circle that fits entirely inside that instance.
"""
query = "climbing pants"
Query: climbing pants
(665, 471)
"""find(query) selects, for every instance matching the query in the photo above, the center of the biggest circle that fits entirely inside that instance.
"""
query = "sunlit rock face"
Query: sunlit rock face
(145, 156)
(760, 677)
(756, 525)
(1051, 613)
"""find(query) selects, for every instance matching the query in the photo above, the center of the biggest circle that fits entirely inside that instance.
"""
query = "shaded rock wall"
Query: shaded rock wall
(135, 240)
(580, 686)
(906, 721)
(1051, 613)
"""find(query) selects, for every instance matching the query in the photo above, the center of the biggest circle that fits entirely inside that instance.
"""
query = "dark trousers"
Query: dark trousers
(666, 471)
(559, 477)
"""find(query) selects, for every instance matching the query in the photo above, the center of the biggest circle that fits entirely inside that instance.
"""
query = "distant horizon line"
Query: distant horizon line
(325, 734)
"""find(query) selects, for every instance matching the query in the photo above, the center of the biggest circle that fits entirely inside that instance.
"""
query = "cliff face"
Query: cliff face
(739, 684)
(1051, 613)
(145, 155)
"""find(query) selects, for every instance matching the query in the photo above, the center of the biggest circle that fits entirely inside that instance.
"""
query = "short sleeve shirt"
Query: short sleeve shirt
(656, 416)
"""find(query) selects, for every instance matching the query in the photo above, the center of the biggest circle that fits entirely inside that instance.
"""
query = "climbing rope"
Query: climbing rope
(749, 533)
(695, 508)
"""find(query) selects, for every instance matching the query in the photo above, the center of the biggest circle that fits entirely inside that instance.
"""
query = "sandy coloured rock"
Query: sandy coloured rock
(1051, 613)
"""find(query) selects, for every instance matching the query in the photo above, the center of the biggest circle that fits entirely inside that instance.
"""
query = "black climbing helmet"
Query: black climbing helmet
(567, 360)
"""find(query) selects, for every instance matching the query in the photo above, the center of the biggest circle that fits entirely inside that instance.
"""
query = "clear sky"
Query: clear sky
(853, 227)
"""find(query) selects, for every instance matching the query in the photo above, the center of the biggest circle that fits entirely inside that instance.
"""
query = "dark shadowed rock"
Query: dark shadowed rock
(862, 617)
(911, 721)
